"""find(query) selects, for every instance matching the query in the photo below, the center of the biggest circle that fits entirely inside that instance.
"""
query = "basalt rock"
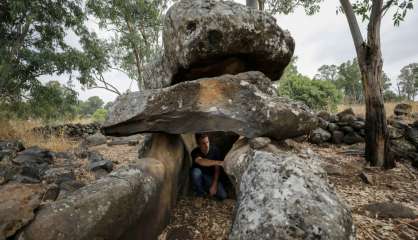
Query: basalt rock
(283, 196)
(17, 205)
(207, 38)
(402, 109)
(244, 103)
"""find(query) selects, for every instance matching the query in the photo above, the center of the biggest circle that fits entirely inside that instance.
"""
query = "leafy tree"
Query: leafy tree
(327, 73)
(408, 81)
(32, 43)
(370, 61)
(48, 102)
(136, 29)
(349, 80)
(100, 115)
(317, 94)
(391, 96)
(53, 102)
(91, 105)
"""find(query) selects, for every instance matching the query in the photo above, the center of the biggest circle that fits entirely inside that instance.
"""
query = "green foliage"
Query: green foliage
(136, 26)
(349, 81)
(90, 106)
(48, 102)
(100, 115)
(361, 8)
(317, 94)
(391, 96)
(32, 43)
(408, 81)
(347, 78)
(288, 6)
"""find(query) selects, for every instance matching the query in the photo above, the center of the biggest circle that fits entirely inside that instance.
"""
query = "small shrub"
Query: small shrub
(317, 94)
(100, 115)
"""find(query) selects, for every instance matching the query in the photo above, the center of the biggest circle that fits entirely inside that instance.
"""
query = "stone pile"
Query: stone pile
(347, 128)
(28, 177)
(403, 132)
(76, 130)
(344, 127)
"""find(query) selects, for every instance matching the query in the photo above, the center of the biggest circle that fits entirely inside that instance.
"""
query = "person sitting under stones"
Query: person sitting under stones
(206, 168)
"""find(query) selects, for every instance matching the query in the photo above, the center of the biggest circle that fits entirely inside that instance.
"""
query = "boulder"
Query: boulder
(96, 139)
(103, 164)
(319, 136)
(358, 125)
(346, 116)
(283, 196)
(17, 205)
(14, 145)
(332, 127)
(345, 112)
(411, 134)
(323, 123)
(34, 155)
(402, 109)
(244, 103)
(395, 133)
(324, 115)
(337, 137)
(210, 38)
(90, 212)
(58, 175)
(347, 129)
(352, 138)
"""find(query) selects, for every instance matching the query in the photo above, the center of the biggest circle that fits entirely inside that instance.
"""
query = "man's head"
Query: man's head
(202, 140)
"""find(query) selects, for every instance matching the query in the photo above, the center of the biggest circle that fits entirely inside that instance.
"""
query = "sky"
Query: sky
(320, 39)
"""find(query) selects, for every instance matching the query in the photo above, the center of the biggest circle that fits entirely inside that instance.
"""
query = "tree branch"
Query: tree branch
(373, 29)
(386, 6)
(354, 27)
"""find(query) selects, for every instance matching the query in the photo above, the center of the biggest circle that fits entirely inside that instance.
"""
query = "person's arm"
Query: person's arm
(207, 162)
(214, 186)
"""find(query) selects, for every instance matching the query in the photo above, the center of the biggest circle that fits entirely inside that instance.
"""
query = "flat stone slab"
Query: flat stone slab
(244, 103)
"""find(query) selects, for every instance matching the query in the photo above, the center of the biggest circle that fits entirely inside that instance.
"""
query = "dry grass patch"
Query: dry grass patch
(22, 130)
(360, 109)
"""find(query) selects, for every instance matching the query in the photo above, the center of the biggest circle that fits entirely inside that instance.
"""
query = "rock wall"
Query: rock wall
(76, 130)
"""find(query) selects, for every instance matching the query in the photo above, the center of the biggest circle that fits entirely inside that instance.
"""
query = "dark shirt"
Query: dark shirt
(213, 154)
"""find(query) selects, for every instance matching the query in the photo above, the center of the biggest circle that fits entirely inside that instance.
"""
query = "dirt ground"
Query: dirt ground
(203, 218)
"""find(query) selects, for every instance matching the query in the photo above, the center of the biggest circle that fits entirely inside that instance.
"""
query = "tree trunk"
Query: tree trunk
(370, 62)
(252, 4)
(377, 137)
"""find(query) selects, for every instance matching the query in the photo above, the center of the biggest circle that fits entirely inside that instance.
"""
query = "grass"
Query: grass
(22, 130)
(359, 109)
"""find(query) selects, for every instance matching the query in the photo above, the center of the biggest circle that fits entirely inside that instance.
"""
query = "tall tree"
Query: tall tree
(32, 43)
(370, 61)
(136, 29)
(349, 80)
(327, 73)
(408, 81)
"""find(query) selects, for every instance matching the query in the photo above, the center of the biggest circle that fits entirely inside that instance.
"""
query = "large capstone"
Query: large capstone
(284, 196)
(244, 103)
(207, 38)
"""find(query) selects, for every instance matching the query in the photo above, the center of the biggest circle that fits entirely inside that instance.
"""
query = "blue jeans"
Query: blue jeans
(202, 183)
